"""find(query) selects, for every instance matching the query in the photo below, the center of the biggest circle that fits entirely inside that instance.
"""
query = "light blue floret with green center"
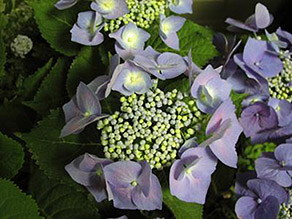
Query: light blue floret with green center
(142, 13)
(280, 86)
(151, 126)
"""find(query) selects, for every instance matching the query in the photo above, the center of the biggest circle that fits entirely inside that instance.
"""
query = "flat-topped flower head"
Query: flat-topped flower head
(276, 166)
(225, 130)
(133, 185)
(130, 40)
(260, 20)
(260, 199)
(280, 86)
(64, 4)
(258, 117)
(169, 26)
(110, 9)
(129, 78)
(257, 61)
(151, 127)
(82, 110)
(165, 65)
(210, 90)
(87, 29)
(142, 13)
(181, 6)
(190, 176)
(87, 170)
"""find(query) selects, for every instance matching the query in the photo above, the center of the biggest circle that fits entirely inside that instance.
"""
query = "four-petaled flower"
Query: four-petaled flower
(168, 30)
(260, 199)
(133, 186)
(87, 29)
(190, 176)
(129, 40)
(82, 110)
(87, 170)
(276, 166)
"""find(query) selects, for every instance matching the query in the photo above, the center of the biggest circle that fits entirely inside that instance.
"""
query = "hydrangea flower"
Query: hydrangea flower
(284, 35)
(260, 199)
(258, 117)
(283, 110)
(181, 6)
(133, 185)
(275, 42)
(257, 61)
(190, 176)
(142, 13)
(87, 29)
(169, 26)
(260, 20)
(165, 65)
(280, 86)
(276, 166)
(130, 40)
(21, 46)
(225, 130)
(151, 126)
(87, 170)
(210, 90)
(64, 4)
(82, 110)
(129, 78)
(110, 9)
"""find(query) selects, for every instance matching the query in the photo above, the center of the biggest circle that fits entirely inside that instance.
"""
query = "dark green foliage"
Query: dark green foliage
(16, 204)
(55, 25)
(11, 157)
(53, 153)
(57, 200)
(51, 92)
(90, 63)
(31, 84)
(2, 56)
(191, 36)
(180, 209)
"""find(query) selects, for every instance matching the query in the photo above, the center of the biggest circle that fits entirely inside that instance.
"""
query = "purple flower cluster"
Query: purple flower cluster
(129, 184)
(129, 38)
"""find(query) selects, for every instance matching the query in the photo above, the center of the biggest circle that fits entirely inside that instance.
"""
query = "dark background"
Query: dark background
(213, 13)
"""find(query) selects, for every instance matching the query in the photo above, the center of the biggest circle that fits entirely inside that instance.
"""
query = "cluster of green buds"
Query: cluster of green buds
(142, 13)
(252, 152)
(151, 127)
(21, 46)
(281, 85)
(286, 209)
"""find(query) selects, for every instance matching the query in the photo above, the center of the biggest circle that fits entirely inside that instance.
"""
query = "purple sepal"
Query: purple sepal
(192, 175)
(87, 170)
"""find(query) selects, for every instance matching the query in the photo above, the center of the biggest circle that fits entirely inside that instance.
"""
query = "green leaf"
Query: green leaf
(31, 84)
(51, 93)
(191, 36)
(57, 200)
(2, 56)
(86, 66)
(55, 25)
(52, 153)
(16, 204)
(181, 84)
(180, 209)
(11, 157)
(237, 100)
